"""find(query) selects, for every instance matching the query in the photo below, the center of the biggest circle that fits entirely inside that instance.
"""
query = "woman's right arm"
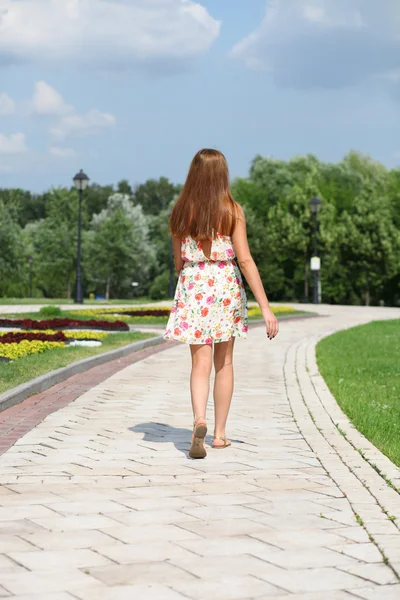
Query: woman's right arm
(250, 271)
(178, 260)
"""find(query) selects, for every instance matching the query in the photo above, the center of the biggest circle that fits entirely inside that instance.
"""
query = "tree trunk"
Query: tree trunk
(69, 289)
(108, 287)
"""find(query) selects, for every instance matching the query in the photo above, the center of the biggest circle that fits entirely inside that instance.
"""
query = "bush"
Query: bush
(159, 288)
(50, 311)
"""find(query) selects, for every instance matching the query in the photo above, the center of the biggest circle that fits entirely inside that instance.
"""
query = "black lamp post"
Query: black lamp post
(315, 206)
(81, 182)
(30, 259)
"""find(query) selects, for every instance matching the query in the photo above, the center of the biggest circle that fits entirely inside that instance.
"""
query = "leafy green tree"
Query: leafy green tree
(96, 198)
(369, 244)
(117, 248)
(11, 254)
(154, 195)
(53, 241)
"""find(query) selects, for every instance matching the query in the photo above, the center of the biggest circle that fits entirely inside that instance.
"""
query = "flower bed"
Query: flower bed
(64, 324)
(255, 311)
(142, 315)
(129, 312)
(77, 335)
(16, 337)
(33, 342)
(16, 350)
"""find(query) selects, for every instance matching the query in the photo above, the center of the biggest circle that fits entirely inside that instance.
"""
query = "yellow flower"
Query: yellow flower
(24, 348)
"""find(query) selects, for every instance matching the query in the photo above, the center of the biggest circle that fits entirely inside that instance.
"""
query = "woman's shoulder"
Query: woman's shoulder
(239, 211)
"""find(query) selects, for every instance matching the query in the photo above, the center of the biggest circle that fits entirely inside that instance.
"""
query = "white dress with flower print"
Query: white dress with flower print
(210, 301)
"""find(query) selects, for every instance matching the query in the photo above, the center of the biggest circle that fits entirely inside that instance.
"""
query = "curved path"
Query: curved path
(101, 502)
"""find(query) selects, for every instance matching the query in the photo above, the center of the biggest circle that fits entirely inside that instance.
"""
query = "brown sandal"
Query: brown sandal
(197, 449)
(226, 443)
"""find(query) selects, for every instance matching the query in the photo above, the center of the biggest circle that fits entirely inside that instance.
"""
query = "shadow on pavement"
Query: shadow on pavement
(161, 433)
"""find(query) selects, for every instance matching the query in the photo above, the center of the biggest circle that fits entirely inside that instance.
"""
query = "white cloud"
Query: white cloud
(7, 105)
(161, 33)
(325, 43)
(75, 125)
(12, 144)
(59, 152)
(47, 101)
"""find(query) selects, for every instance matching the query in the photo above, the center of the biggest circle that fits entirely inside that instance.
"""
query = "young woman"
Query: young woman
(210, 308)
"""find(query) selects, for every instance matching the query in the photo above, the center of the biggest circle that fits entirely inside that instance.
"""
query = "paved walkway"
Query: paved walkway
(100, 500)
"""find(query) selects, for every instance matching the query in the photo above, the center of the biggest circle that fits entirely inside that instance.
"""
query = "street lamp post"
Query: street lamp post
(81, 182)
(315, 206)
(30, 259)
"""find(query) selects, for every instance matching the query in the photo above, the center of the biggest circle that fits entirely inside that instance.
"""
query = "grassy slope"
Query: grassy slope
(20, 371)
(362, 369)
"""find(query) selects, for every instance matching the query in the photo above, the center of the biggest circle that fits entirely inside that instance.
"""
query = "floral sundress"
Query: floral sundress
(210, 304)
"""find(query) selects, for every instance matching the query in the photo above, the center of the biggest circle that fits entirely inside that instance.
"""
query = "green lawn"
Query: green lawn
(362, 369)
(24, 369)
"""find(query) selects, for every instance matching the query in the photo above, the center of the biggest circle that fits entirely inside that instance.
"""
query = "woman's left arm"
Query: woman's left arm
(178, 260)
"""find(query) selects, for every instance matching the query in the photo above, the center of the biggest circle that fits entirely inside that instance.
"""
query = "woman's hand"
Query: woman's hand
(271, 322)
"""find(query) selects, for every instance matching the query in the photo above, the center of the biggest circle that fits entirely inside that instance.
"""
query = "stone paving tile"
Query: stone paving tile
(52, 559)
(68, 540)
(377, 573)
(320, 557)
(364, 552)
(151, 591)
(229, 588)
(383, 592)
(102, 492)
(142, 573)
(53, 596)
(46, 581)
(313, 580)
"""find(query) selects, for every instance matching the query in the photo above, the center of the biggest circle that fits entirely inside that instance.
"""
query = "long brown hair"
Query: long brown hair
(205, 206)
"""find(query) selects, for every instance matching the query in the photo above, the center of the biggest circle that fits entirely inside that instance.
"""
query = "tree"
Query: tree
(118, 250)
(369, 244)
(54, 242)
(154, 195)
(11, 255)
(96, 198)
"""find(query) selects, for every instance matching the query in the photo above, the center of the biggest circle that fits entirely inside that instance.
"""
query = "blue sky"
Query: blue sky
(133, 88)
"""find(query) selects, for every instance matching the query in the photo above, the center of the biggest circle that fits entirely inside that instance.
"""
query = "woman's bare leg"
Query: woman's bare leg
(223, 387)
(200, 378)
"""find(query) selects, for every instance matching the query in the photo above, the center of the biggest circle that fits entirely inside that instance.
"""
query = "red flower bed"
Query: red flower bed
(65, 324)
(19, 336)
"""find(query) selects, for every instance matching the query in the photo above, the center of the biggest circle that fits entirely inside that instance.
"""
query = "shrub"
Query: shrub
(51, 311)
(159, 288)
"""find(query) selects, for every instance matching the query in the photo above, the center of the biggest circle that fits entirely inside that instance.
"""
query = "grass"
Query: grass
(362, 369)
(24, 369)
